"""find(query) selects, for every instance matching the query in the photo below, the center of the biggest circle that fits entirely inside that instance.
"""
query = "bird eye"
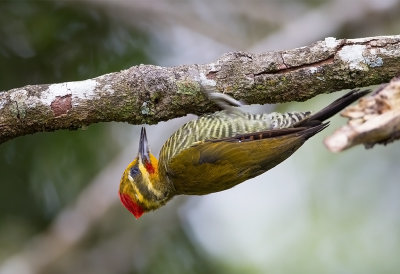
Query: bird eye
(134, 171)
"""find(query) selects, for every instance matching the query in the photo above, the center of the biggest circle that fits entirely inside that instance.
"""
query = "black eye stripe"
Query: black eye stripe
(134, 171)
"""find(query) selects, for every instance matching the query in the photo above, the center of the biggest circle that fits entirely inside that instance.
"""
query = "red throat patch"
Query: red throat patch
(149, 167)
(131, 205)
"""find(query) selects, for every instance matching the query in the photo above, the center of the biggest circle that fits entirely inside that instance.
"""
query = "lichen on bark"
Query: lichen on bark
(149, 94)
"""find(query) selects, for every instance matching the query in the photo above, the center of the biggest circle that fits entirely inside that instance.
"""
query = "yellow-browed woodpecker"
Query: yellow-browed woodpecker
(218, 151)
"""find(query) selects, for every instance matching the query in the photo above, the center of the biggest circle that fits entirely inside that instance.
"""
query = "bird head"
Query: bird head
(136, 190)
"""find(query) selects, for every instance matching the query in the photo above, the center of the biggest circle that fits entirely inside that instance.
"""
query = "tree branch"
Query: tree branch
(149, 94)
(375, 119)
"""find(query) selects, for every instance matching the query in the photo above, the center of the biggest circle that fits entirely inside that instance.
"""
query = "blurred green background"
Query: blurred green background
(317, 212)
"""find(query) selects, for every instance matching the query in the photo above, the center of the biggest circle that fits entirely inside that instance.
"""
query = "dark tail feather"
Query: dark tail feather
(310, 132)
(333, 107)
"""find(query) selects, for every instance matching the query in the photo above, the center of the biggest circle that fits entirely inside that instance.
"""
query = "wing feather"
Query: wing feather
(215, 165)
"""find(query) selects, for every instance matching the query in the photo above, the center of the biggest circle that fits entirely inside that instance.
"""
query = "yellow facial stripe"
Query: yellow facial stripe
(149, 178)
(138, 195)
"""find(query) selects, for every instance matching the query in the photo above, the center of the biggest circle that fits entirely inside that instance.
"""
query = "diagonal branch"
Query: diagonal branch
(149, 94)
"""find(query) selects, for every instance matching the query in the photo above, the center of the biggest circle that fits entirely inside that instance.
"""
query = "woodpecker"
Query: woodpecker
(218, 151)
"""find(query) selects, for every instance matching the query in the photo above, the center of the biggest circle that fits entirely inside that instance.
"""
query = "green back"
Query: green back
(223, 124)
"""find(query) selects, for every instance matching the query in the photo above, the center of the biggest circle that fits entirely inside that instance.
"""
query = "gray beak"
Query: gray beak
(144, 152)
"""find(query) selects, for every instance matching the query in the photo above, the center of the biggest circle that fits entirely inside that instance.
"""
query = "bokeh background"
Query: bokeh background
(317, 212)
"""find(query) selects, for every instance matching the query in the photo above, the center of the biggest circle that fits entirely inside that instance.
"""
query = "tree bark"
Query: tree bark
(375, 119)
(149, 94)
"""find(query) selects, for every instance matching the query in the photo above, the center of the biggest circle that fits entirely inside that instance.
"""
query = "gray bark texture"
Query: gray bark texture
(149, 94)
(375, 119)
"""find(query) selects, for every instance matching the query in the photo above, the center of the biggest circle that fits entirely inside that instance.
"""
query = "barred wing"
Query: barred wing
(215, 165)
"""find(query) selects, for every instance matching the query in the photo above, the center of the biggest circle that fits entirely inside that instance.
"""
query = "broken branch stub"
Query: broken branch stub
(375, 119)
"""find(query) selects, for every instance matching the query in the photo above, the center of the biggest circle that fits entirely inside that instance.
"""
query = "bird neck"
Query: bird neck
(158, 187)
